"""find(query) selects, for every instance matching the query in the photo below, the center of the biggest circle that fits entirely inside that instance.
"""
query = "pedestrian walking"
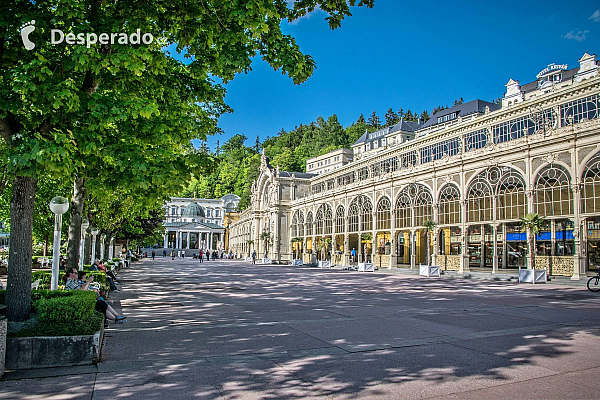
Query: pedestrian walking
(201, 255)
(164, 253)
(153, 254)
(254, 257)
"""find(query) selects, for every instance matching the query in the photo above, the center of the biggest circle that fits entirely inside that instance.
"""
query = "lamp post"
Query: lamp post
(110, 249)
(84, 225)
(102, 240)
(94, 233)
(58, 205)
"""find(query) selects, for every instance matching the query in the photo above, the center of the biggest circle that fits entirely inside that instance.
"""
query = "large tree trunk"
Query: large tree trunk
(75, 223)
(18, 291)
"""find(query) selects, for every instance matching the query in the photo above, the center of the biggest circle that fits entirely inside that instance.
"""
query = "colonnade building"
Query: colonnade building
(197, 224)
(474, 169)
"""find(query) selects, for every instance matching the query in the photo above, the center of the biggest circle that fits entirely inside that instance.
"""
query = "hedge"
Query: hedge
(62, 313)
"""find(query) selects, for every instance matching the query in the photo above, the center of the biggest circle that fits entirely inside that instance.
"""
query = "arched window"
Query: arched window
(553, 192)
(590, 195)
(353, 217)
(309, 224)
(319, 221)
(295, 225)
(449, 204)
(403, 211)
(383, 214)
(300, 223)
(479, 200)
(367, 215)
(423, 208)
(510, 192)
(328, 220)
(339, 220)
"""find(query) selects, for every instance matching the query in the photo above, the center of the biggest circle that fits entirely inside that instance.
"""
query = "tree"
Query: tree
(458, 102)
(59, 103)
(249, 243)
(374, 121)
(532, 223)
(430, 226)
(361, 119)
(424, 117)
(391, 118)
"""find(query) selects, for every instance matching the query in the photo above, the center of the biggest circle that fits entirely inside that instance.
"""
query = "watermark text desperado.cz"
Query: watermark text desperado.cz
(91, 38)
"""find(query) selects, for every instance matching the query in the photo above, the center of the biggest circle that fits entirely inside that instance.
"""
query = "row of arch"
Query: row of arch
(502, 189)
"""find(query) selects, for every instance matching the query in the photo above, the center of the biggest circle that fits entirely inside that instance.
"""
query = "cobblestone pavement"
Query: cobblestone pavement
(232, 330)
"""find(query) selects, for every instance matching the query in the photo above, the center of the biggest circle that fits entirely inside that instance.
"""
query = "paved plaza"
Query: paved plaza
(232, 330)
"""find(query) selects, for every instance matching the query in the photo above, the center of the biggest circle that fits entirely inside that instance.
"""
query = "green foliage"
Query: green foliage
(68, 315)
(61, 313)
(532, 222)
(46, 278)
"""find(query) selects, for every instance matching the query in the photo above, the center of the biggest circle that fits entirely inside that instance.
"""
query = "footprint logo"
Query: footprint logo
(26, 29)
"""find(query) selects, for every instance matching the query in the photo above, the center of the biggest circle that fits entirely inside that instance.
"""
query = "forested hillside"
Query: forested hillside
(236, 165)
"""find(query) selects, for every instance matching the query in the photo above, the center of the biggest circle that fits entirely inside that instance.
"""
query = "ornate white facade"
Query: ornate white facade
(475, 174)
(197, 224)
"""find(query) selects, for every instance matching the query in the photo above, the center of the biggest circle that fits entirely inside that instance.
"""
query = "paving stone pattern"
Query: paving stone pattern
(232, 330)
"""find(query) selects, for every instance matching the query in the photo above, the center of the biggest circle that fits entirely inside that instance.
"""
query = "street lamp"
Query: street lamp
(94, 232)
(84, 225)
(58, 205)
(102, 240)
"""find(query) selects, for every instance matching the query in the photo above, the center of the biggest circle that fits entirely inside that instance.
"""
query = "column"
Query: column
(578, 260)
(393, 238)
(210, 241)
(464, 259)
(482, 253)
(111, 249)
(166, 238)
(347, 248)
(552, 238)
(495, 250)
(187, 244)
(435, 233)
(374, 234)
(275, 250)
(413, 248)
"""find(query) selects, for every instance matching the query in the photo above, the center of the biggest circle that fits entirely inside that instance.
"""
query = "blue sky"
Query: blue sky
(414, 55)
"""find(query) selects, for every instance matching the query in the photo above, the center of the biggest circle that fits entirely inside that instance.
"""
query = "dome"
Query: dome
(193, 210)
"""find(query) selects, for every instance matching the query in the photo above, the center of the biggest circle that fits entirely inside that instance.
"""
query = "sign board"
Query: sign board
(550, 68)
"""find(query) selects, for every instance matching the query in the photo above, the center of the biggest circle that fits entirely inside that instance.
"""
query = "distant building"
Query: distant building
(384, 138)
(197, 224)
(330, 161)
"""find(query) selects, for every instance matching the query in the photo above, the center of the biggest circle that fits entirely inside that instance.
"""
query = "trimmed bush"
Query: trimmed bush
(69, 315)
(62, 313)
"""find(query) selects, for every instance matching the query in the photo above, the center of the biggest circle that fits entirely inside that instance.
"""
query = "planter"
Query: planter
(532, 275)
(53, 351)
(297, 262)
(325, 264)
(429, 270)
(366, 267)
